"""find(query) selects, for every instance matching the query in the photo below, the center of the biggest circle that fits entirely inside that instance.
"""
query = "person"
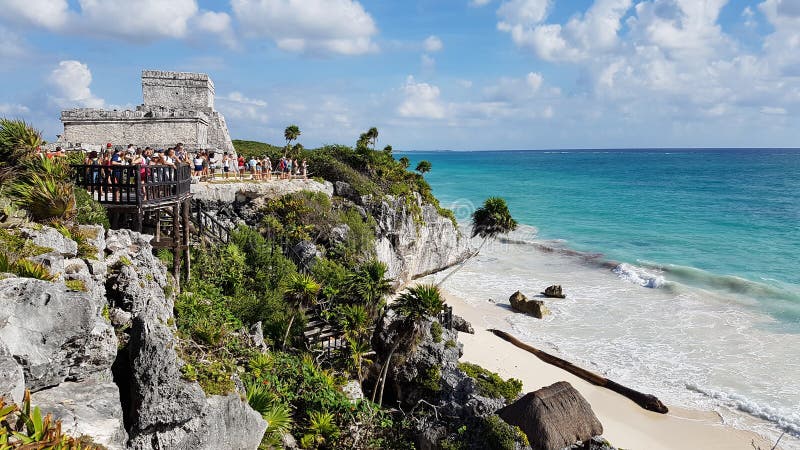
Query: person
(304, 170)
(266, 165)
(253, 163)
(295, 167)
(213, 163)
(240, 164)
(198, 164)
(94, 172)
(117, 161)
(206, 164)
(288, 169)
(226, 164)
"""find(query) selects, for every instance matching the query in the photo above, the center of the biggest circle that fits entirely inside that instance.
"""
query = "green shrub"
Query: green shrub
(88, 210)
(76, 285)
(430, 379)
(29, 269)
(490, 384)
(436, 331)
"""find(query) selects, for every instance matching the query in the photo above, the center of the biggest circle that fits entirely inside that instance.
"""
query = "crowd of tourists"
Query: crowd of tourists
(205, 164)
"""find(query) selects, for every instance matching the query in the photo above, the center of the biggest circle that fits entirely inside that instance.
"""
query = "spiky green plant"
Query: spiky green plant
(6, 264)
(321, 428)
(44, 196)
(301, 291)
(29, 269)
(279, 421)
(17, 139)
(354, 321)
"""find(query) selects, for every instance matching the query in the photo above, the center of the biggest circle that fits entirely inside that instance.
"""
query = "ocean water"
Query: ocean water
(681, 267)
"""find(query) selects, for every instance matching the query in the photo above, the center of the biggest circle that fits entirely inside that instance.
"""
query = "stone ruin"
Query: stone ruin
(178, 107)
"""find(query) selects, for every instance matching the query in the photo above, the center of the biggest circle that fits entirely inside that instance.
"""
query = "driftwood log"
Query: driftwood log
(646, 401)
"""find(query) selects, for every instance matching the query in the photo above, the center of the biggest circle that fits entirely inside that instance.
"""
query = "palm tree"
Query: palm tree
(404, 161)
(372, 137)
(414, 305)
(301, 293)
(488, 221)
(359, 349)
(423, 167)
(291, 133)
(354, 321)
(371, 285)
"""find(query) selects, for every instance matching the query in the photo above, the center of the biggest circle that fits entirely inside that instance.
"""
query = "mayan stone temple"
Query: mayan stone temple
(178, 107)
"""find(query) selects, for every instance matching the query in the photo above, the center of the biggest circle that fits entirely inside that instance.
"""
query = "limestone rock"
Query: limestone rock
(352, 390)
(553, 417)
(251, 191)
(137, 279)
(305, 254)
(554, 291)
(12, 379)
(88, 408)
(460, 324)
(339, 234)
(344, 190)
(52, 238)
(413, 244)
(54, 334)
(520, 303)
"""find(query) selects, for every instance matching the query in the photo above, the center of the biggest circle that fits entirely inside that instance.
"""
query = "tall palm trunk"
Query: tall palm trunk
(462, 263)
(288, 329)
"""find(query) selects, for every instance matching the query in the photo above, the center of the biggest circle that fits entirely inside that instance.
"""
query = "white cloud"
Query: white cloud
(523, 12)
(534, 80)
(72, 81)
(237, 106)
(773, 110)
(309, 26)
(136, 21)
(590, 33)
(218, 23)
(12, 109)
(432, 44)
(142, 20)
(421, 101)
(50, 14)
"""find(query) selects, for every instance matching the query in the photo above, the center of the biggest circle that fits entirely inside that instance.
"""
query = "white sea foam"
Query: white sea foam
(638, 275)
(660, 341)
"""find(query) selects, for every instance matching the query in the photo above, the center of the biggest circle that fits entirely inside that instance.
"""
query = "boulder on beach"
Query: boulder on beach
(554, 291)
(554, 417)
(520, 303)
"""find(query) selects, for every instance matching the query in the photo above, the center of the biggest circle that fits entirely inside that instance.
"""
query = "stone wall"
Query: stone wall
(141, 131)
(178, 107)
(177, 89)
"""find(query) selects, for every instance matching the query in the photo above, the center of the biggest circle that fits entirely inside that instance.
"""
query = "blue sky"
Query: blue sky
(430, 74)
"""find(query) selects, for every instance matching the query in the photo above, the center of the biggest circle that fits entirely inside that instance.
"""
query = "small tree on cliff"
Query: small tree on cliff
(369, 283)
(423, 167)
(291, 133)
(300, 293)
(489, 221)
(404, 161)
(413, 306)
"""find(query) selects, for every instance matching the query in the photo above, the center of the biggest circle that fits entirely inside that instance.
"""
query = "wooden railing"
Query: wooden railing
(134, 185)
(207, 225)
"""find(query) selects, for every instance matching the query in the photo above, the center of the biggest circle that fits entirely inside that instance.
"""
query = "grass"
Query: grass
(76, 285)
(490, 384)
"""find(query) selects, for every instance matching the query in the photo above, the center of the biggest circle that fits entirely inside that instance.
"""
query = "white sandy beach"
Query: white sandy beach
(625, 424)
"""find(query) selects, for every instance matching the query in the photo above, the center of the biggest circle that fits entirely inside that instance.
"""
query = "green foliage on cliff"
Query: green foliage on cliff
(256, 149)
(489, 433)
(490, 384)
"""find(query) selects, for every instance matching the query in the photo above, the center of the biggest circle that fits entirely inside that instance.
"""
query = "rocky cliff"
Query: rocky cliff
(97, 348)
(412, 238)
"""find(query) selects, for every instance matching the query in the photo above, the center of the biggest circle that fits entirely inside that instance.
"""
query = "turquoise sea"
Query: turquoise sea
(694, 255)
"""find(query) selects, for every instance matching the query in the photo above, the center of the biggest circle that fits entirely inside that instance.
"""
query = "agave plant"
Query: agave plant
(45, 196)
(17, 139)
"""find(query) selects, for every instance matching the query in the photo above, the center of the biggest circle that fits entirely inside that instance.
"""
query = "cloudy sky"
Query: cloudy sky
(430, 74)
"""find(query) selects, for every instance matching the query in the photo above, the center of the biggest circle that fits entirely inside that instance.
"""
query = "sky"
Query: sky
(429, 74)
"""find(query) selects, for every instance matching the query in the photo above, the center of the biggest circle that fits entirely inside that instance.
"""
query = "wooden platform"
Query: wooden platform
(155, 199)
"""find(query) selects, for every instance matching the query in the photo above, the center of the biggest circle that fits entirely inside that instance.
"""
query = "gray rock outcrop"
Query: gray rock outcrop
(58, 343)
(51, 238)
(535, 308)
(242, 192)
(12, 379)
(56, 335)
(460, 324)
(87, 408)
(415, 244)
(554, 291)
(554, 417)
